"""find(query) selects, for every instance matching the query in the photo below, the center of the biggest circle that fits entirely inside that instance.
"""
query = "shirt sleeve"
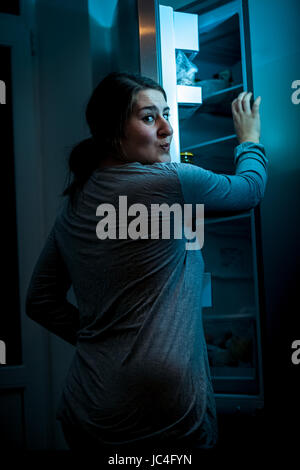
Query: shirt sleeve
(46, 301)
(219, 192)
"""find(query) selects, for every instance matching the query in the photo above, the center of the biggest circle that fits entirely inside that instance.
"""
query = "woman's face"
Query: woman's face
(148, 133)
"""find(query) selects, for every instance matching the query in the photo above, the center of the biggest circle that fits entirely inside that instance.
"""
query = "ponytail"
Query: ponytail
(83, 160)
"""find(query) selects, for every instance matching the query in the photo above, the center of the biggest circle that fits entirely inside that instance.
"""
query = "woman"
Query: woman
(140, 373)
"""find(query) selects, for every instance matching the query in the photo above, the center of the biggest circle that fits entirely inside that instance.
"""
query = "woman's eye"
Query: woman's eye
(148, 118)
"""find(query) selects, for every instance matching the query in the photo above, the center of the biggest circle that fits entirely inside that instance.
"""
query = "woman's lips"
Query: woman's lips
(165, 147)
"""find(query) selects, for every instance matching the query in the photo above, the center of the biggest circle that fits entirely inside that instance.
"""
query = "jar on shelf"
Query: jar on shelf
(186, 157)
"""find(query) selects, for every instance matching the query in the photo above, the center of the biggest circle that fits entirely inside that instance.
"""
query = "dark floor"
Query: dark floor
(242, 440)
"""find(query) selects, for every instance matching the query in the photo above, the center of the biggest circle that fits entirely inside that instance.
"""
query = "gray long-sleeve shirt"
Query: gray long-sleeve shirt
(140, 370)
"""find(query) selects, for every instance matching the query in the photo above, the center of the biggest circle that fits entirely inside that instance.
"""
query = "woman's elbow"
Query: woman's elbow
(257, 189)
(259, 195)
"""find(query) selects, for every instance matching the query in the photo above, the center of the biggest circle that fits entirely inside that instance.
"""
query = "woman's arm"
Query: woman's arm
(46, 301)
(246, 188)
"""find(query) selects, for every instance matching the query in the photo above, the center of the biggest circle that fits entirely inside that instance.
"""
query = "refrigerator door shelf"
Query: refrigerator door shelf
(189, 94)
(186, 31)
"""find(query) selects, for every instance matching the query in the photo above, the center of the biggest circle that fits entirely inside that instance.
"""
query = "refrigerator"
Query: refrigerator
(199, 52)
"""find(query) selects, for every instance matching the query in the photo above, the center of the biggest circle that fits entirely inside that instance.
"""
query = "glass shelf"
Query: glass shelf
(228, 256)
(205, 129)
(221, 92)
(232, 353)
(208, 142)
(217, 102)
(228, 317)
(216, 156)
(213, 218)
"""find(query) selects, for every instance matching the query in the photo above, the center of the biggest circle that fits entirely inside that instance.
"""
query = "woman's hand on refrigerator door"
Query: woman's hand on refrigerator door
(246, 120)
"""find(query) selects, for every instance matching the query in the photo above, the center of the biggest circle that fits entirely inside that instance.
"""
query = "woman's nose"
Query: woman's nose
(165, 127)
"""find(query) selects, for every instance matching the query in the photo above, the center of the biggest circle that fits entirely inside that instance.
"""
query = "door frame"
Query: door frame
(29, 380)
